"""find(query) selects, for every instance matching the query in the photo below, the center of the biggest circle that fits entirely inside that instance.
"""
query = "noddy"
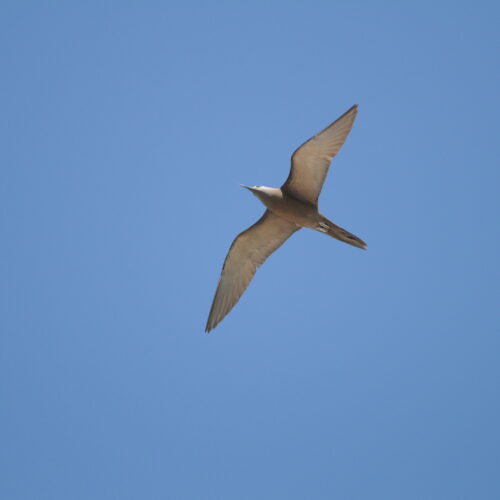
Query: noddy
(289, 208)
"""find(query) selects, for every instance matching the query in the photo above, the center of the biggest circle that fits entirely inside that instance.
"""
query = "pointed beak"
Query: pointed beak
(246, 187)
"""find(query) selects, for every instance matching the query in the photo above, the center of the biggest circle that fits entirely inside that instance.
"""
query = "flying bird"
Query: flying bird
(289, 208)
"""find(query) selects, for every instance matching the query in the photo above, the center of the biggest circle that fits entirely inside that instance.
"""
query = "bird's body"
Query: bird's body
(289, 208)
(280, 203)
(301, 213)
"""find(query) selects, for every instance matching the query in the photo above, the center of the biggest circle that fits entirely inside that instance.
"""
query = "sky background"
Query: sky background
(126, 130)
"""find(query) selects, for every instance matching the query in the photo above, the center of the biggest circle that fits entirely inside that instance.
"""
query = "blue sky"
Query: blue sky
(127, 128)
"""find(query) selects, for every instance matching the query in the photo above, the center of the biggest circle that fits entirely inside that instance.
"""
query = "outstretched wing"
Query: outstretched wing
(311, 161)
(248, 251)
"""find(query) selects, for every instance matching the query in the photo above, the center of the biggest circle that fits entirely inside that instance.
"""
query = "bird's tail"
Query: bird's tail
(328, 227)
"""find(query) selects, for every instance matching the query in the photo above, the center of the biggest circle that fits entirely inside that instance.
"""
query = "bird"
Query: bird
(289, 208)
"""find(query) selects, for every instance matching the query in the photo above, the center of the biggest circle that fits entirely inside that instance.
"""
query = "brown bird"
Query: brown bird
(289, 208)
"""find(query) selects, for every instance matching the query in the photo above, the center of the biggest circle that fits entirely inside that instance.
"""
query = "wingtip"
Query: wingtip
(352, 111)
(211, 324)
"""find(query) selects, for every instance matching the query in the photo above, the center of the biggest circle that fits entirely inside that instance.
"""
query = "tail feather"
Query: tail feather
(328, 227)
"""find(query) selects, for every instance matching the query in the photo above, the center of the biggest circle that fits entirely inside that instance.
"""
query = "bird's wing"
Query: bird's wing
(310, 162)
(248, 251)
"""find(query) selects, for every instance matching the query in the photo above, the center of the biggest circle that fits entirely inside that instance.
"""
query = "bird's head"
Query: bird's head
(261, 191)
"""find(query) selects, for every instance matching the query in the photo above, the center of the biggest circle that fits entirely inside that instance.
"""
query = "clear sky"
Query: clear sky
(126, 130)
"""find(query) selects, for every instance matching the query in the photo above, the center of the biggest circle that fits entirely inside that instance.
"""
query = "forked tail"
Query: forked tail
(328, 227)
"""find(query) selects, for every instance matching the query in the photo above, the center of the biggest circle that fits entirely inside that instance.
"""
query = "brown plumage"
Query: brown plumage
(289, 208)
